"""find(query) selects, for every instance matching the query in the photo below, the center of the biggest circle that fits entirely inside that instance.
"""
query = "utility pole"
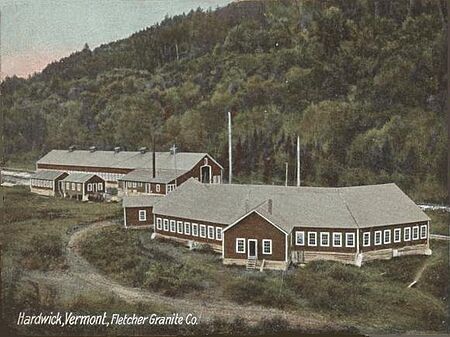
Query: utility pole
(286, 181)
(298, 160)
(230, 158)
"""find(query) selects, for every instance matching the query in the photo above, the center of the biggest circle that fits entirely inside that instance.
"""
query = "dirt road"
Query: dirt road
(81, 272)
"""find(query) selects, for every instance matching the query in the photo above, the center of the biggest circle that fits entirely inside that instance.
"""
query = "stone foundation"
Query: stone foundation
(274, 265)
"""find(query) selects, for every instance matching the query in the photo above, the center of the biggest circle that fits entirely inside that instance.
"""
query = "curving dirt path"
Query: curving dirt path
(82, 270)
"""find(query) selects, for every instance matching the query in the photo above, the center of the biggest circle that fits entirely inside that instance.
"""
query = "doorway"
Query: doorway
(252, 249)
(205, 172)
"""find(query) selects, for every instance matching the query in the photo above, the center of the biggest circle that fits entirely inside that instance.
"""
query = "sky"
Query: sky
(37, 32)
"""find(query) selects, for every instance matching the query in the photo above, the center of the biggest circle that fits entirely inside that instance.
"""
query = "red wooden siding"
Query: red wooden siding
(256, 227)
(132, 216)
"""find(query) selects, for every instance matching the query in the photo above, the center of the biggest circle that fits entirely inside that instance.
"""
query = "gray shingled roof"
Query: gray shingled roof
(46, 175)
(78, 177)
(122, 159)
(141, 200)
(146, 176)
(346, 207)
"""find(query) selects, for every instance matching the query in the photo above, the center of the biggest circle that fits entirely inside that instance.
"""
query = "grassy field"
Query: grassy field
(34, 232)
(440, 222)
(372, 298)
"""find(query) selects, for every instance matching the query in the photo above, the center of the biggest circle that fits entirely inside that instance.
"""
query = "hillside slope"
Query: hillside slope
(362, 82)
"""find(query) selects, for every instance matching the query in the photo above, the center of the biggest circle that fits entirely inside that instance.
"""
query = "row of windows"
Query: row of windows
(380, 237)
(324, 239)
(42, 183)
(73, 186)
(241, 246)
(91, 187)
(384, 237)
(135, 184)
(186, 228)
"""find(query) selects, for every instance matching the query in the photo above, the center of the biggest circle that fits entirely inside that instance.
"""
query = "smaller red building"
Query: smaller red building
(138, 210)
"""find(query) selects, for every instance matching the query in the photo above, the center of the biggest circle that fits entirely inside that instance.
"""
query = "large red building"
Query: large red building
(135, 172)
(277, 225)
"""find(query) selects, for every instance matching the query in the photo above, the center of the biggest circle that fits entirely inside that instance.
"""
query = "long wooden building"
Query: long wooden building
(278, 225)
(133, 172)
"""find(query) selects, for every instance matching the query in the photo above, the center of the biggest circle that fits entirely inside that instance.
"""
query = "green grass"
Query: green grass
(440, 222)
(374, 298)
(28, 218)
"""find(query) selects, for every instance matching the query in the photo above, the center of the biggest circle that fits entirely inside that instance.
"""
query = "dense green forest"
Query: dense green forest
(362, 82)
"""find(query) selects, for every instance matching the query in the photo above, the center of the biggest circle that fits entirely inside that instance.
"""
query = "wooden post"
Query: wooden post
(286, 180)
(230, 158)
(298, 161)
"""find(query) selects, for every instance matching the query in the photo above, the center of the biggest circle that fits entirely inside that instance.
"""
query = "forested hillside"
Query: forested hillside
(363, 82)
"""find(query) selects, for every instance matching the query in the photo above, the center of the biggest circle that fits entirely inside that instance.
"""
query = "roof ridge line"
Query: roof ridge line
(348, 208)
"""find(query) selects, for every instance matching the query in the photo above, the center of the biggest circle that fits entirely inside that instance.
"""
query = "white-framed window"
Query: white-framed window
(267, 246)
(377, 240)
(219, 233)
(73, 187)
(142, 215)
(407, 234)
(366, 239)
(194, 229)
(180, 227)
(67, 186)
(325, 239)
(423, 231)
(158, 188)
(202, 231)
(397, 235)
(387, 236)
(134, 184)
(337, 239)
(89, 187)
(158, 223)
(350, 239)
(312, 239)
(187, 228)
(79, 187)
(211, 232)
(415, 233)
(100, 187)
(166, 225)
(240, 245)
(300, 238)
(173, 226)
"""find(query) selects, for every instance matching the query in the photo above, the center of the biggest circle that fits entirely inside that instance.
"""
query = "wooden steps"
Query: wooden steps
(251, 264)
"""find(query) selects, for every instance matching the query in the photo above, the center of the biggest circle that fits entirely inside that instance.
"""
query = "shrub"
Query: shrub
(259, 289)
(331, 286)
(174, 280)
(43, 251)
(401, 270)
(435, 279)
